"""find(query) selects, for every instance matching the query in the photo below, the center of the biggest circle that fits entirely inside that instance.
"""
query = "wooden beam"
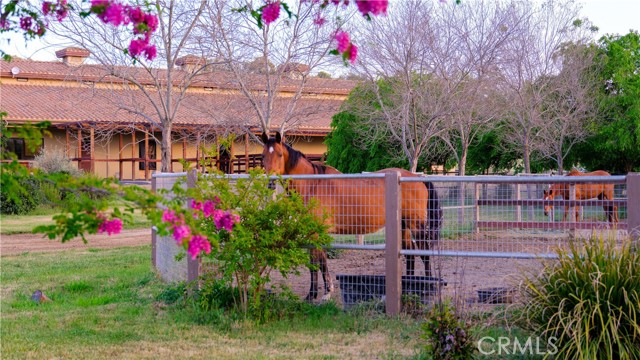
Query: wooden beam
(91, 150)
(120, 164)
(133, 155)
(79, 155)
(67, 142)
(246, 153)
(146, 155)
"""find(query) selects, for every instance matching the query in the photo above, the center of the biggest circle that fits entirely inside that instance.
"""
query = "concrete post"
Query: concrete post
(633, 208)
(393, 281)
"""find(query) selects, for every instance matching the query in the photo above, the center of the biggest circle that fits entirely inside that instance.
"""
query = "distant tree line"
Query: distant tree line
(490, 87)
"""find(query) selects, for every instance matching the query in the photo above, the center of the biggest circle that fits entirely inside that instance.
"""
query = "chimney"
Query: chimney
(73, 56)
(190, 63)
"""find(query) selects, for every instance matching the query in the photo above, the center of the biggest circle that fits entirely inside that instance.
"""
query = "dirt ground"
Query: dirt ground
(23, 243)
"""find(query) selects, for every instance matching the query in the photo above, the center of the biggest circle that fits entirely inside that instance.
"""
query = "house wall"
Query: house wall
(107, 152)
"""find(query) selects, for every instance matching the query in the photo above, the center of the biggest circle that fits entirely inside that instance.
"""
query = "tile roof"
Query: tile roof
(57, 70)
(66, 100)
(64, 105)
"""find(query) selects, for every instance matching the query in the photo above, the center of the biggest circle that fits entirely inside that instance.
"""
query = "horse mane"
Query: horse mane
(296, 156)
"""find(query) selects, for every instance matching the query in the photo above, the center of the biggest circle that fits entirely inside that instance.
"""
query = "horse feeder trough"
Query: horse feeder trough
(363, 288)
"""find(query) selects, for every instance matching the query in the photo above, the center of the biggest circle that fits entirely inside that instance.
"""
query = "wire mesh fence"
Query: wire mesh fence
(492, 231)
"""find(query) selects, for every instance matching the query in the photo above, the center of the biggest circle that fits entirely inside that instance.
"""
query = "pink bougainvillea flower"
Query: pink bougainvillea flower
(151, 21)
(113, 14)
(169, 216)
(343, 41)
(47, 7)
(136, 15)
(208, 208)
(270, 12)
(319, 20)
(373, 7)
(150, 52)
(353, 53)
(181, 232)
(197, 244)
(111, 227)
(225, 219)
(136, 47)
(196, 205)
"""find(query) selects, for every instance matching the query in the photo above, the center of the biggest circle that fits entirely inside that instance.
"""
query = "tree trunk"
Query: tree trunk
(165, 148)
(560, 165)
(526, 156)
(414, 164)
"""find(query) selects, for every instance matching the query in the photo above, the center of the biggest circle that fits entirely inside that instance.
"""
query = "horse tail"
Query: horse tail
(434, 211)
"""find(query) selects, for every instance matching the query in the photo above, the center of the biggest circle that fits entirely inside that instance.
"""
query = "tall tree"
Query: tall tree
(411, 100)
(617, 138)
(569, 104)
(528, 63)
(270, 64)
(154, 91)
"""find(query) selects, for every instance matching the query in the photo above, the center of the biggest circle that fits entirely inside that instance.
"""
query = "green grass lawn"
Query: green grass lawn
(105, 304)
(19, 224)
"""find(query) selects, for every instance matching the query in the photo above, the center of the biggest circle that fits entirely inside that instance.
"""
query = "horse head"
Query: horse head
(548, 195)
(274, 154)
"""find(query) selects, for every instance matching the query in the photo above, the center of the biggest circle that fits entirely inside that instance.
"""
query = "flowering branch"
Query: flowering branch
(18, 16)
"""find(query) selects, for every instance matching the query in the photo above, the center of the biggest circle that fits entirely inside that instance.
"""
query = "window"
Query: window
(152, 155)
(19, 148)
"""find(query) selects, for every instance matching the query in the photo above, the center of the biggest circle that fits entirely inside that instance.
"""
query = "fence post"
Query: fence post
(476, 212)
(519, 207)
(633, 208)
(572, 210)
(193, 266)
(154, 235)
(393, 273)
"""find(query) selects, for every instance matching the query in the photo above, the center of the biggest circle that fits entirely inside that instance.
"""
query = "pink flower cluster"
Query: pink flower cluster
(345, 47)
(373, 7)
(59, 9)
(111, 227)
(271, 11)
(367, 8)
(32, 27)
(181, 233)
(144, 24)
(221, 218)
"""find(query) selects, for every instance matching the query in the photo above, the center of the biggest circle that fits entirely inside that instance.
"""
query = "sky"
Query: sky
(611, 17)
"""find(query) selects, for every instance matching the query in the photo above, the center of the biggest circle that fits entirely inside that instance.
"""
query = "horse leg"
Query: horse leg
(566, 212)
(313, 290)
(422, 236)
(326, 276)
(408, 244)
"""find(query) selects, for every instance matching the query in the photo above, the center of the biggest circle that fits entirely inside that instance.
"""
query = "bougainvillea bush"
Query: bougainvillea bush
(248, 229)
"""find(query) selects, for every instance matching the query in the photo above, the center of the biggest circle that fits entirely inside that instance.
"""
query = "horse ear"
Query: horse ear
(265, 137)
(278, 137)
(545, 193)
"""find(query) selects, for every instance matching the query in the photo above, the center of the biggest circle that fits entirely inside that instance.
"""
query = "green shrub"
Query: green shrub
(21, 199)
(448, 336)
(589, 301)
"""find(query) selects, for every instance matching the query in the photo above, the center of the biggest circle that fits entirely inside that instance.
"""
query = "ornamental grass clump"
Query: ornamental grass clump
(589, 301)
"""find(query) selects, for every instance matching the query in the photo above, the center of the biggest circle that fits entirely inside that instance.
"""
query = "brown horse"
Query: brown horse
(583, 192)
(356, 206)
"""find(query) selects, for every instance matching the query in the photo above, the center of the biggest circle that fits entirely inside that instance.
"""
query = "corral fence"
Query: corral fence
(494, 229)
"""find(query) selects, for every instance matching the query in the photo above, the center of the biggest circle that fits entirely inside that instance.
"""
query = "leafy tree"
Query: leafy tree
(488, 154)
(348, 152)
(616, 144)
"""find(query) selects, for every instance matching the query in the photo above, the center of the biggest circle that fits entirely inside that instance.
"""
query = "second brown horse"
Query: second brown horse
(356, 206)
(583, 192)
